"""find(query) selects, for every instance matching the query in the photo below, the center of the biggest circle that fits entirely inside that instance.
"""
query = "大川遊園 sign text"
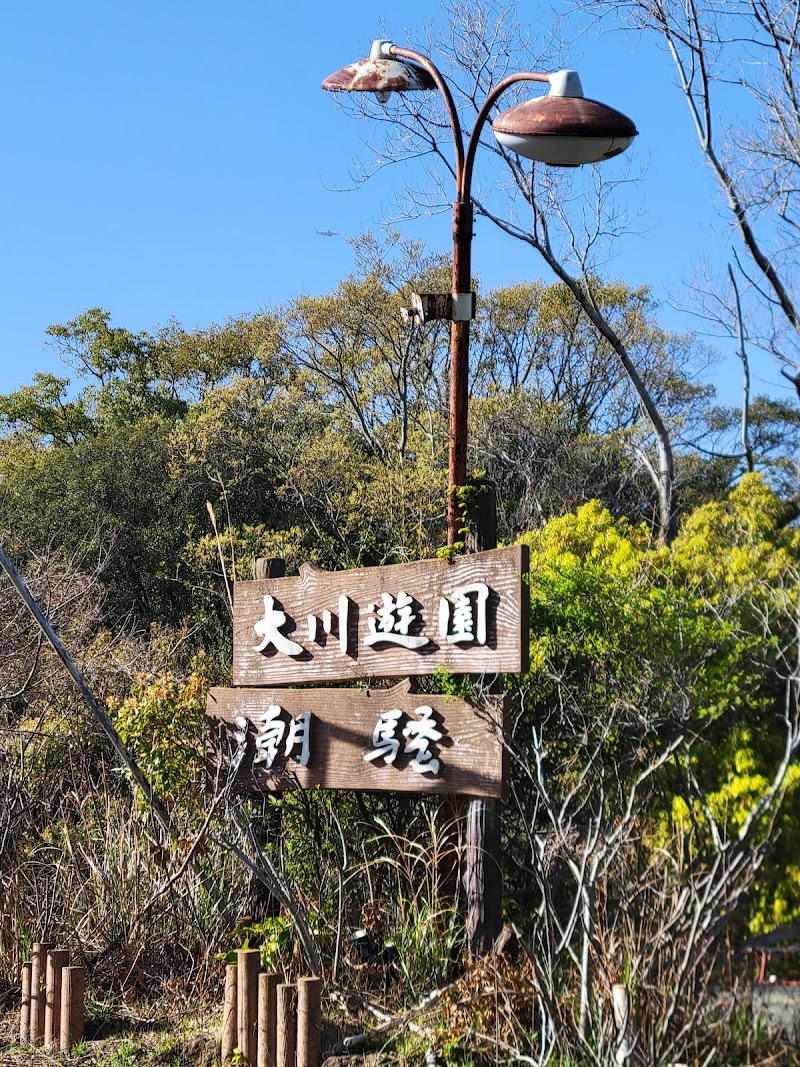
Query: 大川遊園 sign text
(468, 615)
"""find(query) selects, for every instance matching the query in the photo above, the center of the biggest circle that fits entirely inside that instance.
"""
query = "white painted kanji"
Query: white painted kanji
(299, 735)
(328, 624)
(270, 730)
(464, 621)
(269, 630)
(391, 622)
(385, 742)
(419, 734)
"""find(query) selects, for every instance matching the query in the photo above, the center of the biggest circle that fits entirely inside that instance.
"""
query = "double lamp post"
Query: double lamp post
(562, 129)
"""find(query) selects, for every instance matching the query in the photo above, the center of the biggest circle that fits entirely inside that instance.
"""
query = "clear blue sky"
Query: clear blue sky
(158, 163)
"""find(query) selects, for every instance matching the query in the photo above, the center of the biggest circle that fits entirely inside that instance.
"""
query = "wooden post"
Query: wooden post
(249, 964)
(57, 960)
(25, 1006)
(269, 567)
(482, 876)
(309, 1022)
(287, 1026)
(38, 969)
(73, 988)
(267, 1019)
(230, 1018)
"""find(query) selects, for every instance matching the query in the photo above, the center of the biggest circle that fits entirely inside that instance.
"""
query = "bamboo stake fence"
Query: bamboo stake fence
(53, 993)
(271, 1023)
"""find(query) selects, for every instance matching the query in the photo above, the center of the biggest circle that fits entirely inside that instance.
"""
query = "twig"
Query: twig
(518, 1056)
(388, 1022)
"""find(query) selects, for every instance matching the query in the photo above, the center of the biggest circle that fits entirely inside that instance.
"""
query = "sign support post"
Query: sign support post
(483, 882)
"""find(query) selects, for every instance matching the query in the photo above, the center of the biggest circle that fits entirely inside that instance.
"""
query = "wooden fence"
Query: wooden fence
(273, 1024)
(52, 1009)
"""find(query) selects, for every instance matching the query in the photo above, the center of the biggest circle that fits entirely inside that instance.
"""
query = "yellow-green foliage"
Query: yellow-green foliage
(163, 724)
(633, 644)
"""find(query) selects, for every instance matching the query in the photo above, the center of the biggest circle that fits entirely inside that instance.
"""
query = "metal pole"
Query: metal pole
(108, 727)
(459, 368)
(462, 273)
(461, 283)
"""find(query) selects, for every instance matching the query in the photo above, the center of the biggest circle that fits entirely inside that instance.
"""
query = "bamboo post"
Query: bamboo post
(249, 964)
(309, 1022)
(267, 1019)
(287, 1026)
(25, 1006)
(73, 988)
(229, 1015)
(38, 969)
(57, 960)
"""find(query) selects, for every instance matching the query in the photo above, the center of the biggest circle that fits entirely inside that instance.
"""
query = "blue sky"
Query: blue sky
(174, 160)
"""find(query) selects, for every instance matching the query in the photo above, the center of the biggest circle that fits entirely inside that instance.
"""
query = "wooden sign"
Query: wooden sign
(468, 614)
(390, 739)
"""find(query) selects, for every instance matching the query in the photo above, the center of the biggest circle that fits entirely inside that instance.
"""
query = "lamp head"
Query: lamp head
(380, 74)
(563, 128)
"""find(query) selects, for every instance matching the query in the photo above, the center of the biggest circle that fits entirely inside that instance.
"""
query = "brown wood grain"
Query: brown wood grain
(323, 659)
(470, 752)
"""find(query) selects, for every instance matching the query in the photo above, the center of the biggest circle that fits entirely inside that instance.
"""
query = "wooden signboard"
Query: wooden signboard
(469, 614)
(390, 739)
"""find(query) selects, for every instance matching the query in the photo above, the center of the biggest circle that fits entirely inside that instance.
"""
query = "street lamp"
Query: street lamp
(563, 129)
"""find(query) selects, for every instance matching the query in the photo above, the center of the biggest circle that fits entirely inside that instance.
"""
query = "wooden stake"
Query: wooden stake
(249, 964)
(73, 988)
(25, 1007)
(309, 1022)
(38, 969)
(267, 1019)
(287, 1026)
(57, 959)
(230, 1019)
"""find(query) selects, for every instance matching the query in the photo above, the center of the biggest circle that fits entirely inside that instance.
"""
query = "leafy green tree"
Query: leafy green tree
(655, 745)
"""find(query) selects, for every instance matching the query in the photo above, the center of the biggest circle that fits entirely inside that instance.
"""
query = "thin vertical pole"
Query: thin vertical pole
(309, 1022)
(267, 1019)
(230, 1018)
(459, 368)
(249, 963)
(287, 1026)
(57, 960)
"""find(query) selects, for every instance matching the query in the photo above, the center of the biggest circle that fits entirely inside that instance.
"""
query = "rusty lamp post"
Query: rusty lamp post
(563, 129)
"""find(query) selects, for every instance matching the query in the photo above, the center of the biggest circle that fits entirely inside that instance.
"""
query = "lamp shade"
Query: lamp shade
(564, 130)
(379, 76)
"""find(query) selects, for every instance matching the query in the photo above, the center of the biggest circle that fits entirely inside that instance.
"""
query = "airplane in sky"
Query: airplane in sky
(326, 233)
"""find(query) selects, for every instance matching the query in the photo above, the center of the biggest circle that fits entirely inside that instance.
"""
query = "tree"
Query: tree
(737, 67)
(643, 830)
